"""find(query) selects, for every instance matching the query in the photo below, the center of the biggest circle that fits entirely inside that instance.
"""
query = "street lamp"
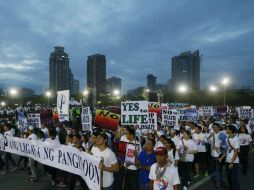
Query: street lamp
(224, 82)
(85, 94)
(116, 92)
(3, 104)
(48, 94)
(213, 88)
(182, 89)
(13, 92)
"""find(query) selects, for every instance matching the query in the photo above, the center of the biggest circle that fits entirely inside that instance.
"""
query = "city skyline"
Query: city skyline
(138, 38)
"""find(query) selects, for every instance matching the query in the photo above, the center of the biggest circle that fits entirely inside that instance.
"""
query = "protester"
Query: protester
(187, 148)
(8, 156)
(245, 141)
(217, 143)
(131, 170)
(232, 159)
(163, 176)
(108, 163)
(144, 160)
(200, 157)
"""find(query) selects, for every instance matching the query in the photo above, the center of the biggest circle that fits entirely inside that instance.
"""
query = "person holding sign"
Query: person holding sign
(131, 170)
(163, 176)
(32, 136)
(187, 148)
(108, 163)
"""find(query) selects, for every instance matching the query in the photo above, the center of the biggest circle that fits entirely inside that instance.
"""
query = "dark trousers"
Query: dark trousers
(131, 180)
(1, 162)
(8, 158)
(232, 175)
(243, 156)
(73, 179)
(185, 169)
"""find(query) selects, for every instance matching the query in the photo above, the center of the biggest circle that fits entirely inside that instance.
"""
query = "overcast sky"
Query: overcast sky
(138, 37)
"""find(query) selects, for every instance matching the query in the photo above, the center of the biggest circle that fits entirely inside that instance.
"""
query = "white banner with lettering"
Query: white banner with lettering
(63, 105)
(134, 113)
(64, 157)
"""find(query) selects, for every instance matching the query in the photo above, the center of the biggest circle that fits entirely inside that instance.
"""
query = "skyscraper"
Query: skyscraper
(151, 82)
(96, 76)
(114, 83)
(186, 70)
(59, 70)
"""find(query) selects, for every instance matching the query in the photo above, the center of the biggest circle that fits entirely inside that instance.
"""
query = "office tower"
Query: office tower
(186, 70)
(59, 70)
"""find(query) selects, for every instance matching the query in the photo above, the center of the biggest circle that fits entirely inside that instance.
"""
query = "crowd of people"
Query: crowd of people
(166, 159)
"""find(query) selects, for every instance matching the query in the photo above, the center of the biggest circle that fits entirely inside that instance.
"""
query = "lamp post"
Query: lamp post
(116, 95)
(3, 104)
(182, 89)
(213, 88)
(224, 83)
(13, 92)
(48, 94)
(85, 94)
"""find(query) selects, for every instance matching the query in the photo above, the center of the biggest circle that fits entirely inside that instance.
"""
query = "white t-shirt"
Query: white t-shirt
(199, 139)
(8, 133)
(109, 159)
(171, 157)
(175, 139)
(191, 146)
(54, 142)
(168, 180)
(94, 150)
(234, 142)
(244, 139)
(215, 142)
(33, 137)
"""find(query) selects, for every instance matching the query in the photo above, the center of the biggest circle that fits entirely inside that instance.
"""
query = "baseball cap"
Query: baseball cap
(162, 151)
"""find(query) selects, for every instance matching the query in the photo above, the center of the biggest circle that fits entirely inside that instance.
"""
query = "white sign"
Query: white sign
(63, 105)
(130, 149)
(152, 125)
(22, 121)
(207, 111)
(169, 116)
(134, 112)
(34, 120)
(65, 157)
(86, 118)
(188, 113)
(244, 112)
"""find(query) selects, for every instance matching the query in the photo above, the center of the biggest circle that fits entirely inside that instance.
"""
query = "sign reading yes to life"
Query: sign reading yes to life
(134, 112)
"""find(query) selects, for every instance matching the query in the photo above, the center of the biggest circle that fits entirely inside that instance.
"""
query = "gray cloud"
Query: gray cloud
(137, 37)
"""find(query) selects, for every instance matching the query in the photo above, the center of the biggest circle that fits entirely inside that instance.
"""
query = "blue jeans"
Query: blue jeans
(218, 167)
(232, 175)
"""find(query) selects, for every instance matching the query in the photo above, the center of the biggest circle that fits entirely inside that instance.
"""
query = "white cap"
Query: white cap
(31, 127)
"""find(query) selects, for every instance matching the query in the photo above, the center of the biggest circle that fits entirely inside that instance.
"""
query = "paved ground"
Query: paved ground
(16, 181)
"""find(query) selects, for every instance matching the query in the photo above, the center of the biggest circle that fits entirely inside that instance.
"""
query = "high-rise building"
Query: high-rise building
(96, 77)
(59, 70)
(74, 87)
(114, 83)
(186, 70)
(151, 82)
